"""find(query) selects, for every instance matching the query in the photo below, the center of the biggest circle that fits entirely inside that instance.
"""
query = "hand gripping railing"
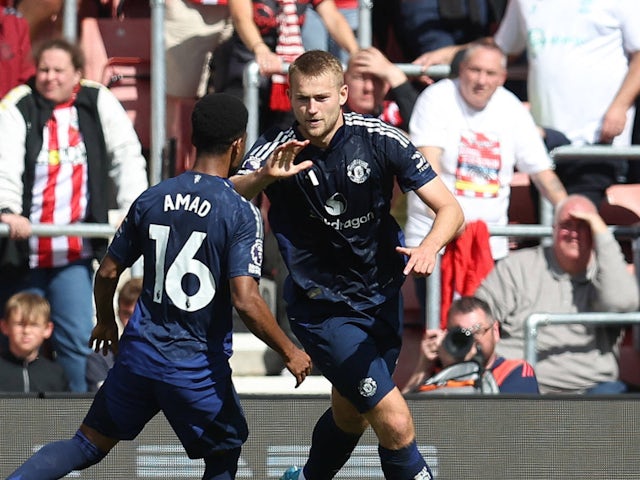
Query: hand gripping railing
(536, 320)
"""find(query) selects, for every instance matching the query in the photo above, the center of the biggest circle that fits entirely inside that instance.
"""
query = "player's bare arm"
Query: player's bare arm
(448, 222)
(279, 165)
(104, 336)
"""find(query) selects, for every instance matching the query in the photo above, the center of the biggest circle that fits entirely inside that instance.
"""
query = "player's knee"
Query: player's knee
(351, 423)
(91, 453)
(392, 423)
(395, 431)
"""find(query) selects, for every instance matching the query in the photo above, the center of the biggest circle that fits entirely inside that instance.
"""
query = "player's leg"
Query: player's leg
(390, 416)
(57, 459)
(221, 465)
(209, 422)
(348, 357)
(335, 435)
(392, 422)
(365, 350)
(130, 395)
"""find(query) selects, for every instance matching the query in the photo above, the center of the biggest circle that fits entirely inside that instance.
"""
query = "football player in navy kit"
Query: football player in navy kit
(202, 248)
(329, 179)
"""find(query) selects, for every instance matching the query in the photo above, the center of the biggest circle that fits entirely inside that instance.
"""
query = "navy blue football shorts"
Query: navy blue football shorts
(355, 350)
(206, 420)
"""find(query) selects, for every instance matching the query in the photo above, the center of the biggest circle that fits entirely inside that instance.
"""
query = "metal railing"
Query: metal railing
(585, 153)
(537, 320)
(159, 76)
(88, 230)
(433, 293)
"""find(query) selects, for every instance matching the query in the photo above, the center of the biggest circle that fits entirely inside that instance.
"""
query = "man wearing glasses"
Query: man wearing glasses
(471, 336)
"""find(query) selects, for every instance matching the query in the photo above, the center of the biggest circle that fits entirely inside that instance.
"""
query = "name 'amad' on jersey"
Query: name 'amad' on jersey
(185, 202)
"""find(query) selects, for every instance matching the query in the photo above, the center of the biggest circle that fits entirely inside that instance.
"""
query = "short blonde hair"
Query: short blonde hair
(31, 306)
(316, 63)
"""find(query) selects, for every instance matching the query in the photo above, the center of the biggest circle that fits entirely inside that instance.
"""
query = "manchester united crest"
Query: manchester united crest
(358, 171)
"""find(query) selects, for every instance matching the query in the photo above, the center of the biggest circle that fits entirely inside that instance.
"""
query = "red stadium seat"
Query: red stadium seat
(521, 207)
(622, 207)
(118, 55)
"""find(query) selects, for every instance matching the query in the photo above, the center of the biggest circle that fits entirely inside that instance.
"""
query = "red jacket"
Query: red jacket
(16, 64)
(465, 263)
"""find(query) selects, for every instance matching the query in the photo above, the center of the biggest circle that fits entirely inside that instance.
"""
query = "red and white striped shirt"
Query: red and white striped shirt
(60, 192)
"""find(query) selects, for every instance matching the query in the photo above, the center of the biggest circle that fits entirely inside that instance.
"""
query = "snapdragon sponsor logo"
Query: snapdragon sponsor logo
(356, 222)
(336, 205)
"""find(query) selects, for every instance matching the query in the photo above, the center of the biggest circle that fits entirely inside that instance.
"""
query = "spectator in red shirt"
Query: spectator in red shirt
(16, 64)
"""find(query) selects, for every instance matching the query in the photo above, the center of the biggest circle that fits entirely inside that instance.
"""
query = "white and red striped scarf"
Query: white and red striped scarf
(210, 2)
(288, 48)
(60, 188)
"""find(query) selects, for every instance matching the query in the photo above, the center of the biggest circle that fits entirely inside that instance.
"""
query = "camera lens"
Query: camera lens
(458, 343)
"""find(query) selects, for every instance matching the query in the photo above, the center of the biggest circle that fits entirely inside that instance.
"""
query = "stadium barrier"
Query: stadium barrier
(536, 320)
(433, 281)
(461, 437)
(432, 319)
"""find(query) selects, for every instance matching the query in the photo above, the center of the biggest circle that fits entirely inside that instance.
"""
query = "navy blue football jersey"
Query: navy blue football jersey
(333, 221)
(195, 232)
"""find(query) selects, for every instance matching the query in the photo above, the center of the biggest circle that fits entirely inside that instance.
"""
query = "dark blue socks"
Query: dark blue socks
(404, 464)
(57, 459)
(330, 448)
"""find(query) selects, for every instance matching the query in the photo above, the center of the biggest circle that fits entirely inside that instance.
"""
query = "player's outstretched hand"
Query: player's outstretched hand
(281, 163)
(105, 338)
(299, 364)
(421, 261)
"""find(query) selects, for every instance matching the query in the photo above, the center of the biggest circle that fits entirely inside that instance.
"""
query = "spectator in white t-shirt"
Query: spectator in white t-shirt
(475, 133)
(584, 76)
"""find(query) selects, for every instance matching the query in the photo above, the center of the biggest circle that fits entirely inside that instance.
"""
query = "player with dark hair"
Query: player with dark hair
(202, 249)
(343, 250)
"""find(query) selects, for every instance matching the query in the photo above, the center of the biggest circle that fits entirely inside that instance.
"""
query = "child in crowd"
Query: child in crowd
(27, 325)
(98, 364)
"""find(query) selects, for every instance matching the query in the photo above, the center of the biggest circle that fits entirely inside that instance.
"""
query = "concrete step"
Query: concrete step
(248, 355)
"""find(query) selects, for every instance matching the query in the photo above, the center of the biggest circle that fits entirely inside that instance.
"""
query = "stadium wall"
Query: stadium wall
(462, 437)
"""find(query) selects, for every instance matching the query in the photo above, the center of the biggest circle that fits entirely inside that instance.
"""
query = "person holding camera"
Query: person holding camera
(466, 351)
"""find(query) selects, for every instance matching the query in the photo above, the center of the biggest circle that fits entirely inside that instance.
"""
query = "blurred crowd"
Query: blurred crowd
(523, 81)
